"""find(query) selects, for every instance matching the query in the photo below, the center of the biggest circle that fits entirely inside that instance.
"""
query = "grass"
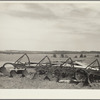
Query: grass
(25, 83)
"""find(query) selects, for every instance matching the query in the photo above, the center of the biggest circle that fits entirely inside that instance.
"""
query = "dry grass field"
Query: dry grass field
(27, 83)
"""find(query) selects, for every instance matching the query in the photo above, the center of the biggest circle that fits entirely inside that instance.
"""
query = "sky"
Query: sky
(50, 26)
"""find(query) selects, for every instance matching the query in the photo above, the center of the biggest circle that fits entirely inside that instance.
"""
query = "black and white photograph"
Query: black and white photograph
(49, 45)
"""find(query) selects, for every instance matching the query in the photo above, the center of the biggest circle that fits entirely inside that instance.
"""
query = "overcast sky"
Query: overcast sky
(45, 26)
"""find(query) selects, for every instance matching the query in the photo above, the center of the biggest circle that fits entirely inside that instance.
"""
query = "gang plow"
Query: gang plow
(68, 71)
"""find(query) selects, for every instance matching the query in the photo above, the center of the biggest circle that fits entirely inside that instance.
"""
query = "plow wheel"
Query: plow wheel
(81, 76)
(13, 73)
(24, 73)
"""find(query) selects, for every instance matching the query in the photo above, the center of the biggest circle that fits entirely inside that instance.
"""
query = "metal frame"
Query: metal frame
(18, 61)
(43, 60)
(94, 63)
(72, 65)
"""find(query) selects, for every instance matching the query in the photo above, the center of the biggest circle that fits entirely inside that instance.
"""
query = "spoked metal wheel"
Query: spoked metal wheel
(81, 75)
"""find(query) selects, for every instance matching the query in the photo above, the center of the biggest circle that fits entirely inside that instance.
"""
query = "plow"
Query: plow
(18, 67)
(67, 71)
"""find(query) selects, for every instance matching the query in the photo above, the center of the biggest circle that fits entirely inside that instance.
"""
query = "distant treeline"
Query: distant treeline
(48, 52)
